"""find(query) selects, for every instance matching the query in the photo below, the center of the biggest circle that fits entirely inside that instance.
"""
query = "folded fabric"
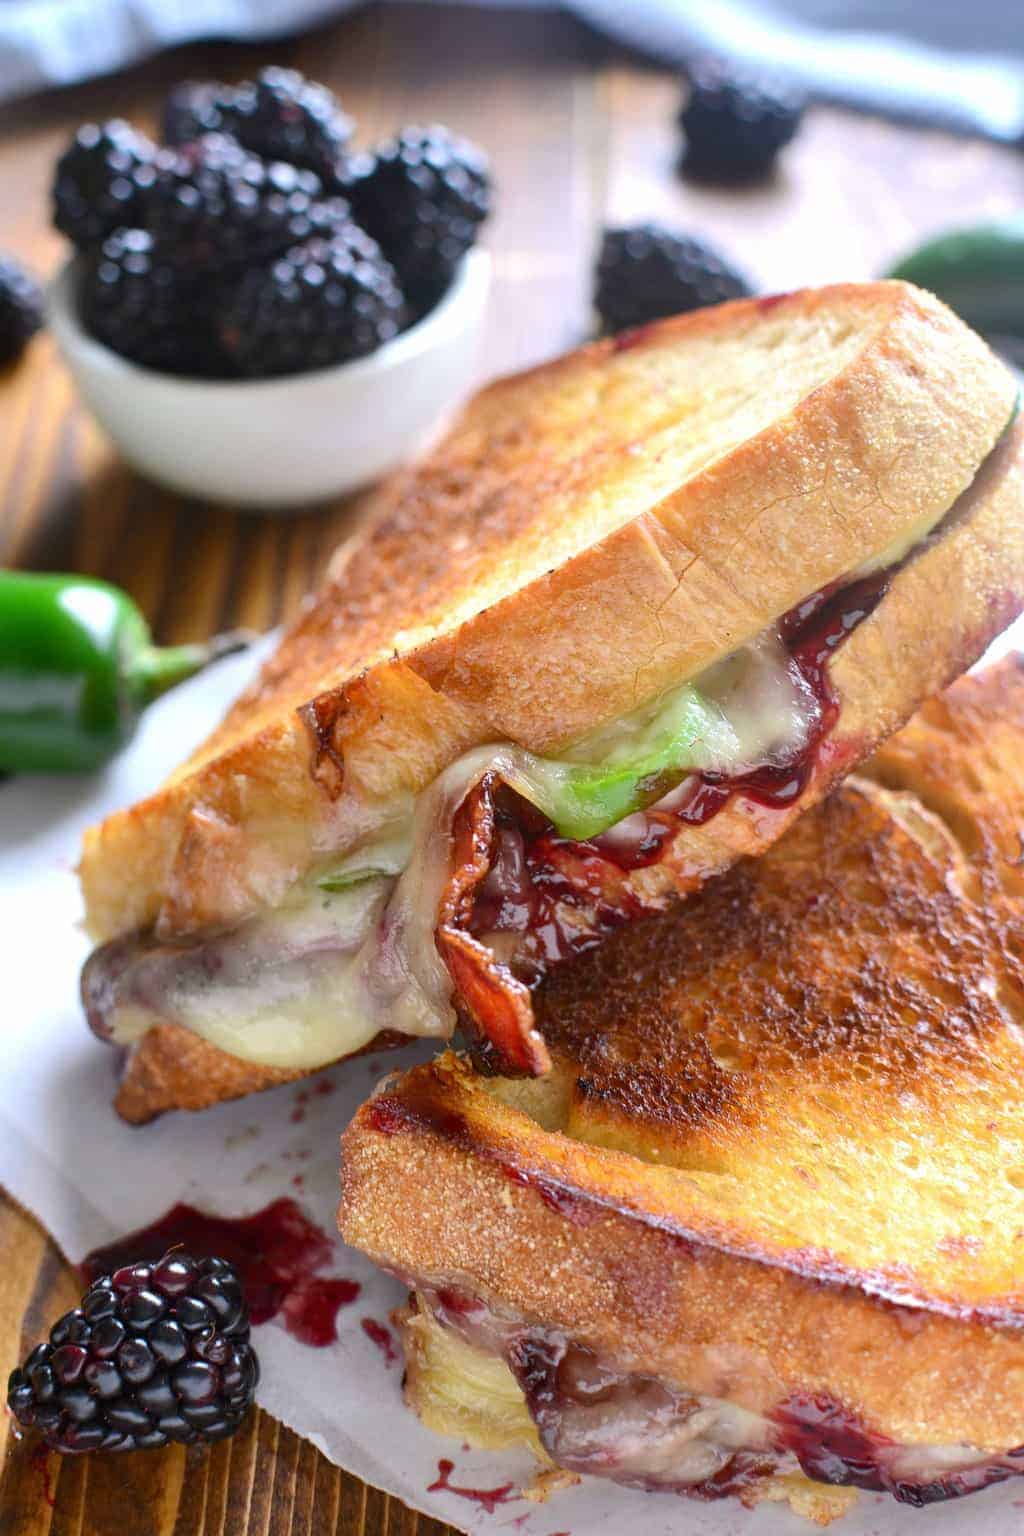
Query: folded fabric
(929, 60)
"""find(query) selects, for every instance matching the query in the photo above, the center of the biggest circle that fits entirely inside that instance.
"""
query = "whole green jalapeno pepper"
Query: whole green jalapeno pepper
(77, 668)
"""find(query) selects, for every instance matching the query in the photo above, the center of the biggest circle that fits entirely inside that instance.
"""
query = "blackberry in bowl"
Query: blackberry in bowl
(225, 281)
(289, 440)
(422, 195)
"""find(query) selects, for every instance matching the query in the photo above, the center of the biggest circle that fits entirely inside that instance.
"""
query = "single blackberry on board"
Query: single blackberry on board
(736, 122)
(422, 196)
(217, 205)
(155, 1352)
(324, 302)
(99, 180)
(138, 303)
(284, 116)
(21, 308)
(646, 272)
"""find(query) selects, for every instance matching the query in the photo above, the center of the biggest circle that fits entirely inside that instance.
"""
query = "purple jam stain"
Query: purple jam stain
(277, 1253)
(39, 1458)
(487, 1498)
(310, 1311)
(379, 1335)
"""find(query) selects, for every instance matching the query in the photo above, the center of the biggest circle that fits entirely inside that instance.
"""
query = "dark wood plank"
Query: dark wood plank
(580, 134)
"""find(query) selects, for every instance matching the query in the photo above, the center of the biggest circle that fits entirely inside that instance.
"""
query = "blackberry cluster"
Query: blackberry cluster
(155, 1352)
(324, 302)
(138, 304)
(249, 245)
(645, 273)
(21, 309)
(216, 206)
(279, 116)
(422, 195)
(735, 123)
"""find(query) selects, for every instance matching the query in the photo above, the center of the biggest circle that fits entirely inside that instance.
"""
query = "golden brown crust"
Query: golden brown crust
(172, 1068)
(572, 548)
(896, 657)
(782, 1149)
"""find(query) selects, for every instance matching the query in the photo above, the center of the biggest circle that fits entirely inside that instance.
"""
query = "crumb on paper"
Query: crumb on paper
(548, 1481)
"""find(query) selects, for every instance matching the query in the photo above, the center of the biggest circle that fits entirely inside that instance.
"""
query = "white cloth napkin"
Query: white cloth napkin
(90, 1178)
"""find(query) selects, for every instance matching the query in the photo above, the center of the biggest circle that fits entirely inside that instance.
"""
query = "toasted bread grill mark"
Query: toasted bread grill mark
(591, 533)
(782, 1127)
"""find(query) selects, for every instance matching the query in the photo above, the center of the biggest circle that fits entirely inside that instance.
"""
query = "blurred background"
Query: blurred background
(915, 110)
(900, 120)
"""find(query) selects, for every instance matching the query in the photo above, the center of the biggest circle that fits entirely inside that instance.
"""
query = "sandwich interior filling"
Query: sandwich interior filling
(353, 951)
(492, 1377)
(364, 947)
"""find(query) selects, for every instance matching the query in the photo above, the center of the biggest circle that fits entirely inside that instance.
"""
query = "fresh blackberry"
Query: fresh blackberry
(218, 206)
(21, 308)
(137, 302)
(195, 108)
(280, 116)
(324, 302)
(99, 180)
(647, 272)
(155, 1352)
(736, 123)
(284, 116)
(422, 196)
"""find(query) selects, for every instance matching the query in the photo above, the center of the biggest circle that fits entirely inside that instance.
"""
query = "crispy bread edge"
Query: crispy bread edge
(443, 1182)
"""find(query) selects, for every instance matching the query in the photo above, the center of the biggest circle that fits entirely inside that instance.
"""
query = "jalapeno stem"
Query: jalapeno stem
(156, 668)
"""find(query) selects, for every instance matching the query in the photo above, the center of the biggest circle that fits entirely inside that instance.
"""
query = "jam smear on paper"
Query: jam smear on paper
(277, 1253)
(487, 1498)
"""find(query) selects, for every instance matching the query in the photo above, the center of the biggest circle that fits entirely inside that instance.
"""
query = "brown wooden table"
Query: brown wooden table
(580, 134)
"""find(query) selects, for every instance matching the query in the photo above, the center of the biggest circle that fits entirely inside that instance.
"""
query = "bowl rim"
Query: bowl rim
(471, 281)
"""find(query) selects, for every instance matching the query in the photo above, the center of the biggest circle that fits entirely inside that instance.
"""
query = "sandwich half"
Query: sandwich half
(761, 1229)
(640, 609)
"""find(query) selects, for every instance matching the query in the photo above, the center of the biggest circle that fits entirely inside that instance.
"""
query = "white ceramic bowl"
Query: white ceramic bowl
(286, 442)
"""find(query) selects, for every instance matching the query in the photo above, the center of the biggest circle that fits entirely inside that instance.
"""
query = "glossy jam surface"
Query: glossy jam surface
(833, 1446)
(539, 884)
(277, 1253)
(593, 1417)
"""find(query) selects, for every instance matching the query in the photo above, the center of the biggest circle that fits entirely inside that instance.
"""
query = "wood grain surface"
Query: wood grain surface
(580, 134)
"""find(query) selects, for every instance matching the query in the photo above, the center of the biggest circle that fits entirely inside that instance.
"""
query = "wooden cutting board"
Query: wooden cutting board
(580, 134)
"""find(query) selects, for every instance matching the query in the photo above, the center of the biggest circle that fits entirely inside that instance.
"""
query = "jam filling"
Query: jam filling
(559, 897)
(640, 1430)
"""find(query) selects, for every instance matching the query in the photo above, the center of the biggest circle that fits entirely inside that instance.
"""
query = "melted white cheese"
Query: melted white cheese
(314, 980)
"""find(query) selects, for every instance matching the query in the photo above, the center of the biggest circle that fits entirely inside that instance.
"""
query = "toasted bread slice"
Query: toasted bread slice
(778, 1167)
(591, 533)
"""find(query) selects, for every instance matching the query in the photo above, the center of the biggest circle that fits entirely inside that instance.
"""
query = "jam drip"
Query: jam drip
(565, 896)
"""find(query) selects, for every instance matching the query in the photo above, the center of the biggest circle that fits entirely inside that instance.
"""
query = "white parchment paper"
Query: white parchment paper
(89, 1178)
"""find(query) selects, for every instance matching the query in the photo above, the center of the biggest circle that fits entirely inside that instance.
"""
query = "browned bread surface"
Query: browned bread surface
(591, 532)
(782, 1150)
(941, 611)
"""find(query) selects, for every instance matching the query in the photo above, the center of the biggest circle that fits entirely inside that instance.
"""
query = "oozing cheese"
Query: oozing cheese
(353, 952)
